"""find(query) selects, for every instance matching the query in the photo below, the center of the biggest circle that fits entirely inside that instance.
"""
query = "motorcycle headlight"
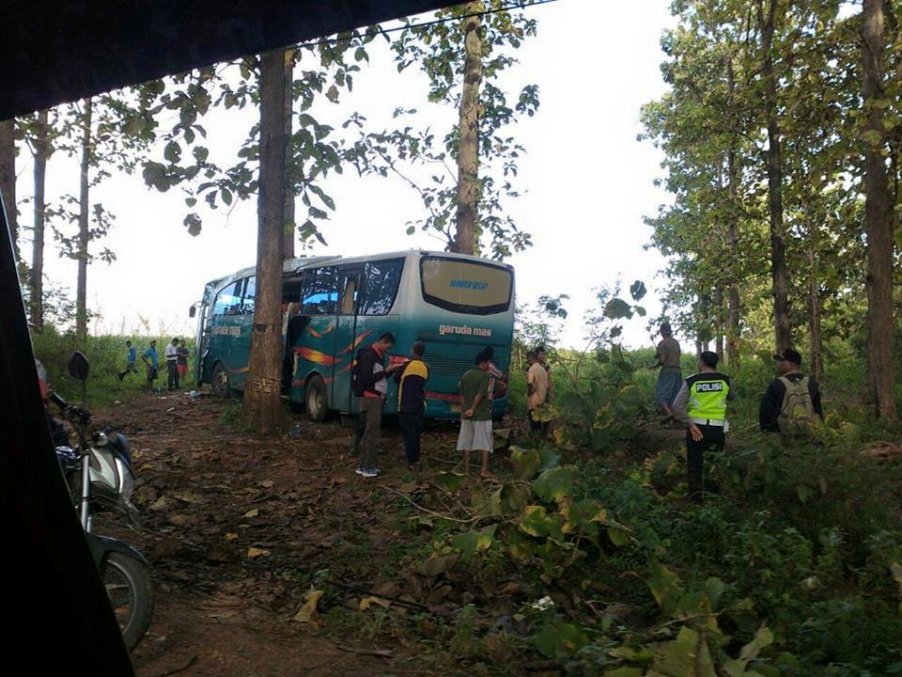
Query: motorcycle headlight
(100, 439)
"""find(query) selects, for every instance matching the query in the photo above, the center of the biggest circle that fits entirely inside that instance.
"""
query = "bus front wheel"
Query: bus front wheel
(315, 398)
(220, 381)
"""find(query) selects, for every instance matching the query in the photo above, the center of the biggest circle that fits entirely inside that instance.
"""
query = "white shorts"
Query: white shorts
(475, 435)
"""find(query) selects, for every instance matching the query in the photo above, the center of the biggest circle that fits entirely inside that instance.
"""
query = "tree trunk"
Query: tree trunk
(779, 275)
(733, 239)
(36, 274)
(466, 238)
(81, 293)
(262, 402)
(8, 178)
(290, 229)
(878, 219)
(814, 311)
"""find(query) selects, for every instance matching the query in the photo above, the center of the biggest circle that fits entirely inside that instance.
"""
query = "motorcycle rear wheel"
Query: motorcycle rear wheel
(127, 582)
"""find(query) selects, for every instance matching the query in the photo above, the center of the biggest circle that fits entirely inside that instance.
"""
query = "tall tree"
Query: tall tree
(767, 19)
(81, 293)
(465, 177)
(465, 238)
(286, 155)
(262, 398)
(878, 215)
(8, 177)
(41, 149)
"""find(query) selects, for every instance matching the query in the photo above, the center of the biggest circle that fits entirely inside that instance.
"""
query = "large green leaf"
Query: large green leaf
(554, 484)
(665, 586)
(471, 542)
(737, 667)
(560, 640)
(536, 521)
(686, 656)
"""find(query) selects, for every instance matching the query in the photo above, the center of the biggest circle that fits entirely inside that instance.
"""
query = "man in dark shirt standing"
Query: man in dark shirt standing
(789, 367)
(370, 387)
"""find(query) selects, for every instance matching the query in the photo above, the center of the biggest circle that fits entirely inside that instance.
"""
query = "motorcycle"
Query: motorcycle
(98, 472)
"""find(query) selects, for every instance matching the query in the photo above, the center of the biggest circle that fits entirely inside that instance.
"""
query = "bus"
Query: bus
(332, 306)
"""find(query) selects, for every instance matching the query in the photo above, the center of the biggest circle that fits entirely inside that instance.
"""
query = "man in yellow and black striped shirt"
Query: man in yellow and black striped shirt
(411, 381)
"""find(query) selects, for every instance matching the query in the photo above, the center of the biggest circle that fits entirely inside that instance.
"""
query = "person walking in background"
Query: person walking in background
(182, 359)
(368, 382)
(701, 405)
(536, 391)
(411, 379)
(131, 358)
(152, 362)
(172, 371)
(792, 403)
(476, 414)
(670, 378)
(542, 358)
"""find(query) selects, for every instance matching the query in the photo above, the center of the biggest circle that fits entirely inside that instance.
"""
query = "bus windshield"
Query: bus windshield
(466, 286)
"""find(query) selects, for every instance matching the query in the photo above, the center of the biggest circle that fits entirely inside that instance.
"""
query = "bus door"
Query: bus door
(349, 283)
(315, 349)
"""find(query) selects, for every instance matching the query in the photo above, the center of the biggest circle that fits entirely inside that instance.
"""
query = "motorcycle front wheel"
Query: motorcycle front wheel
(127, 582)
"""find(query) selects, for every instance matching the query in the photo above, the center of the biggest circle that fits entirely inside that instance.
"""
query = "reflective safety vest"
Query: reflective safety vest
(708, 393)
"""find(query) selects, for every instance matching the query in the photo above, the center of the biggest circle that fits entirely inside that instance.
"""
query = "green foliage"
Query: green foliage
(106, 355)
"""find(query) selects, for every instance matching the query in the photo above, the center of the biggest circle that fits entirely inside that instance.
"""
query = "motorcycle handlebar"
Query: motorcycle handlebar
(57, 400)
(70, 412)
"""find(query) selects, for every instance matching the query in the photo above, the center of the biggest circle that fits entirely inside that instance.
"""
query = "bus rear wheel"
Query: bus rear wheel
(219, 381)
(315, 398)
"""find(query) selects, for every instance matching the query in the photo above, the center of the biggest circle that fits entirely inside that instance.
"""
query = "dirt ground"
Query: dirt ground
(237, 528)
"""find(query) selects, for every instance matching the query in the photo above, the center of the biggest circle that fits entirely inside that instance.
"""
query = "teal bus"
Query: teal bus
(332, 306)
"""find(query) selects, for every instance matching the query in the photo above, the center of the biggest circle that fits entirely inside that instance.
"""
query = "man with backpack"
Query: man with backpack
(369, 385)
(792, 403)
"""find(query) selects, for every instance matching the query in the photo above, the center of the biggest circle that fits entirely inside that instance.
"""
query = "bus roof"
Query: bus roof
(296, 265)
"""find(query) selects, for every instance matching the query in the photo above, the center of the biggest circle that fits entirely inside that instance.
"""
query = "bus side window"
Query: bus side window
(319, 295)
(348, 304)
(228, 299)
(381, 279)
(250, 295)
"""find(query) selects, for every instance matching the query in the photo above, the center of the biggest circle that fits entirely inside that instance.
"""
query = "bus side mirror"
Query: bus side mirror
(192, 311)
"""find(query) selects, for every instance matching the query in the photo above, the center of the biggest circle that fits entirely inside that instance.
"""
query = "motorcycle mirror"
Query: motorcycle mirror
(78, 366)
(192, 311)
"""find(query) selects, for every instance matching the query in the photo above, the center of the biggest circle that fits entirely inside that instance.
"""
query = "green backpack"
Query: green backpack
(797, 417)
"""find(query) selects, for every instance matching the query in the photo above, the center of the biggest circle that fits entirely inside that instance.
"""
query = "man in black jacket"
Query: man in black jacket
(789, 369)
(370, 387)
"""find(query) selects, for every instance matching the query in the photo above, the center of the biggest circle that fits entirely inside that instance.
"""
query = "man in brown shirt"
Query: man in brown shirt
(670, 377)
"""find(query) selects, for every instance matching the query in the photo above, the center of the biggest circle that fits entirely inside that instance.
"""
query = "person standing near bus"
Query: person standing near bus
(476, 414)
(370, 386)
(182, 359)
(172, 360)
(536, 391)
(411, 379)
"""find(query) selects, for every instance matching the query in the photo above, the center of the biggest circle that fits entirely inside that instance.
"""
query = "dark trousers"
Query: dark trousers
(173, 373)
(411, 428)
(713, 439)
(371, 418)
(535, 425)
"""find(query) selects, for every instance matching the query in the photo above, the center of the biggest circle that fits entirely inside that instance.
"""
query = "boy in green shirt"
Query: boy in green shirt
(476, 413)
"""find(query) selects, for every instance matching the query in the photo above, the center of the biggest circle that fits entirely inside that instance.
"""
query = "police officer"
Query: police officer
(701, 405)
